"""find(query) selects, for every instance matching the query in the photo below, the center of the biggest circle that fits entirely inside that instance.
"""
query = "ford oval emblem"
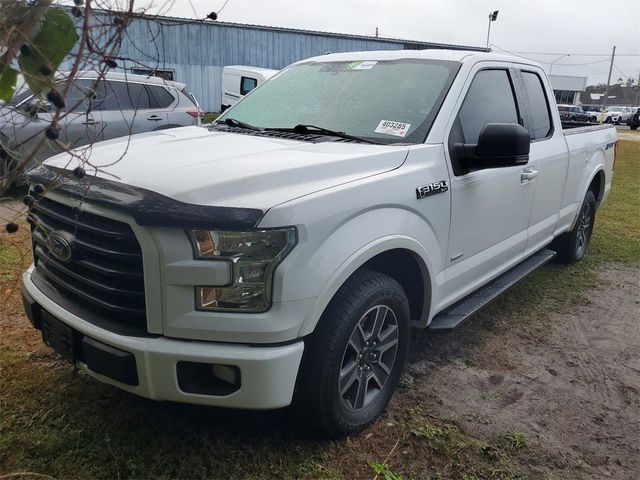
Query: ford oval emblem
(59, 245)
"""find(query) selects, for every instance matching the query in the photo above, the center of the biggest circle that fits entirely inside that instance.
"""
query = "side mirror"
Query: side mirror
(499, 145)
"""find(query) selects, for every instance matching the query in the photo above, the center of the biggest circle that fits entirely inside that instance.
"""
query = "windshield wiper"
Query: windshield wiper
(304, 129)
(232, 122)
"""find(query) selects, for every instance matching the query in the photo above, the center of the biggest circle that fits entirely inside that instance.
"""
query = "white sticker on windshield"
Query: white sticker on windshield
(368, 65)
(397, 129)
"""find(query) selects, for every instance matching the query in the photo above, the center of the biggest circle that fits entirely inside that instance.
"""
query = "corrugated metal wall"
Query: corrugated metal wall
(198, 51)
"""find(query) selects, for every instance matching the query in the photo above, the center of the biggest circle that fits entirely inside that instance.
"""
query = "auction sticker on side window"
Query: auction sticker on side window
(397, 129)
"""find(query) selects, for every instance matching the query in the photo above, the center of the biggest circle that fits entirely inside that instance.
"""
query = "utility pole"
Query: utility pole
(493, 16)
(606, 90)
(638, 91)
(376, 32)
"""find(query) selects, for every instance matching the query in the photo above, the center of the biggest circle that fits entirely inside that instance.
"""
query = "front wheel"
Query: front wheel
(354, 359)
(572, 246)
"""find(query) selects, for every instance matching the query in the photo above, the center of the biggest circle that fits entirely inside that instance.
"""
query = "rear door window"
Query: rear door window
(160, 97)
(538, 120)
(247, 84)
(122, 96)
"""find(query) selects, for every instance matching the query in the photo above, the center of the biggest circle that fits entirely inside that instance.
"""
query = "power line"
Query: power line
(549, 63)
(582, 54)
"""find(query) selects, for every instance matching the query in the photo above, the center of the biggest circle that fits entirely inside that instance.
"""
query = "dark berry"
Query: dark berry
(11, 227)
(111, 63)
(118, 22)
(78, 2)
(52, 132)
(46, 71)
(25, 50)
(38, 188)
(212, 16)
(76, 12)
(56, 99)
(79, 172)
(28, 200)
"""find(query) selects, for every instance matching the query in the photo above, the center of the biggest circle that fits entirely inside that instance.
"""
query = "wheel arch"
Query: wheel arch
(385, 255)
(596, 185)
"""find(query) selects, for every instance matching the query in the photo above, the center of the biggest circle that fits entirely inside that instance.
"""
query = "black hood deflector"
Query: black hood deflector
(146, 207)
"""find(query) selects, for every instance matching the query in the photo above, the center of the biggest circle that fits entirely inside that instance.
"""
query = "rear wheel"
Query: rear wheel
(354, 359)
(572, 246)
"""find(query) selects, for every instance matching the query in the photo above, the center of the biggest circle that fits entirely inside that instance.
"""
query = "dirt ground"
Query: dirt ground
(569, 381)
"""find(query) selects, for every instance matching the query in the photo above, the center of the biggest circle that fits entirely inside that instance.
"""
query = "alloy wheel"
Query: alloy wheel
(369, 357)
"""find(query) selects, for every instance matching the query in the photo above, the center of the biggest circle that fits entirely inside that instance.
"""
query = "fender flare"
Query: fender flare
(357, 260)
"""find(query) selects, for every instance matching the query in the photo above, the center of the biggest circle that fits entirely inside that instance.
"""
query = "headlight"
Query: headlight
(254, 256)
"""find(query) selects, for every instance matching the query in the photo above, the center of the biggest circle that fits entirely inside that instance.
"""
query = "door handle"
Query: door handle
(527, 175)
(154, 118)
(90, 121)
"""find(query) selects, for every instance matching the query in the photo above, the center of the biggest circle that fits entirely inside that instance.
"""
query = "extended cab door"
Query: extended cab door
(490, 207)
(548, 157)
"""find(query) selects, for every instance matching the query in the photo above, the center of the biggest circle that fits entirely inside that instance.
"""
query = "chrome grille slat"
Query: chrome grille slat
(105, 272)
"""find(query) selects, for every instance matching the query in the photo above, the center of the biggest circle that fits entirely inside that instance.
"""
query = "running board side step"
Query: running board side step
(460, 311)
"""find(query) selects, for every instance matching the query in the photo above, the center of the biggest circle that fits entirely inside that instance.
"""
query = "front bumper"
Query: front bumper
(267, 374)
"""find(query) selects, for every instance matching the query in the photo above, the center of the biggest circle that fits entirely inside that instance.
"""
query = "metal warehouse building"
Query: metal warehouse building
(194, 52)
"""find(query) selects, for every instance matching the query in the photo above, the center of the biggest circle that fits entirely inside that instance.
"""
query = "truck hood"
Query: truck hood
(218, 168)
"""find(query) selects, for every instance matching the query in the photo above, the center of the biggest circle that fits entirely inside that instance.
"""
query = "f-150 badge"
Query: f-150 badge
(432, 189)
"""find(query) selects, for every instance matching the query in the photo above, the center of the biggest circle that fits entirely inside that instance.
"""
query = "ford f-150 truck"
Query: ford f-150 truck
(284, 253)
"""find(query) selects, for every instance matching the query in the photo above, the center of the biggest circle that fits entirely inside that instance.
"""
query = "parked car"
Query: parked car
(289, 255)
(618, 115)
(238, 80)
(634, 120)
(573, 113)
(592, 112)
(123, 104)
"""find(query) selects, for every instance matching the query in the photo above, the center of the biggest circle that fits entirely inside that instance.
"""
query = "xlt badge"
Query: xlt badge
(432, 189)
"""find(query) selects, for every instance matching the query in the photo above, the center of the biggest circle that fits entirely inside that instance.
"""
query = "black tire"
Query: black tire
(339, 392)
(572, 246)
(633, 127)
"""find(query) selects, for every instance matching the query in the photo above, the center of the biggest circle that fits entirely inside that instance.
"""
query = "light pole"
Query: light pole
(493, 16)
(556, 60)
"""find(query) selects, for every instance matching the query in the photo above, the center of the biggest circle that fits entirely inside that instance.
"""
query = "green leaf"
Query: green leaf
(8, 81)
(51, 44)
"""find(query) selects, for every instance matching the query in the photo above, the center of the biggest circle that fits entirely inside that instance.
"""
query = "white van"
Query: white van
(238, 80)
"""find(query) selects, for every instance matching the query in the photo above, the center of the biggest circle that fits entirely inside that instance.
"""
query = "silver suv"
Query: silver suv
(123, 104)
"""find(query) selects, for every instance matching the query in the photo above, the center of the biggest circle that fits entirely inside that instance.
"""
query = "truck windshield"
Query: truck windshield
(385, 101)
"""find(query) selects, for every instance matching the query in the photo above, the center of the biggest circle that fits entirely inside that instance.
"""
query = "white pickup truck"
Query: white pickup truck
(284, 253)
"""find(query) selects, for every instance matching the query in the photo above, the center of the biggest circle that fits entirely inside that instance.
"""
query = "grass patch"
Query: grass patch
(517, 440)
(628, 130)
(209, 117)
(383, 471)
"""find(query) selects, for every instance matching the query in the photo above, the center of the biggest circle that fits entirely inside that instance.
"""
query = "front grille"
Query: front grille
(103, 281)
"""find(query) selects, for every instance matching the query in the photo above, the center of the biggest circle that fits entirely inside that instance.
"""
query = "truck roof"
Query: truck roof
(427, 54)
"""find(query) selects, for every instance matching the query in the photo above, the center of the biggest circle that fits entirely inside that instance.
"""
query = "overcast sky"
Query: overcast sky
(546, 26)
